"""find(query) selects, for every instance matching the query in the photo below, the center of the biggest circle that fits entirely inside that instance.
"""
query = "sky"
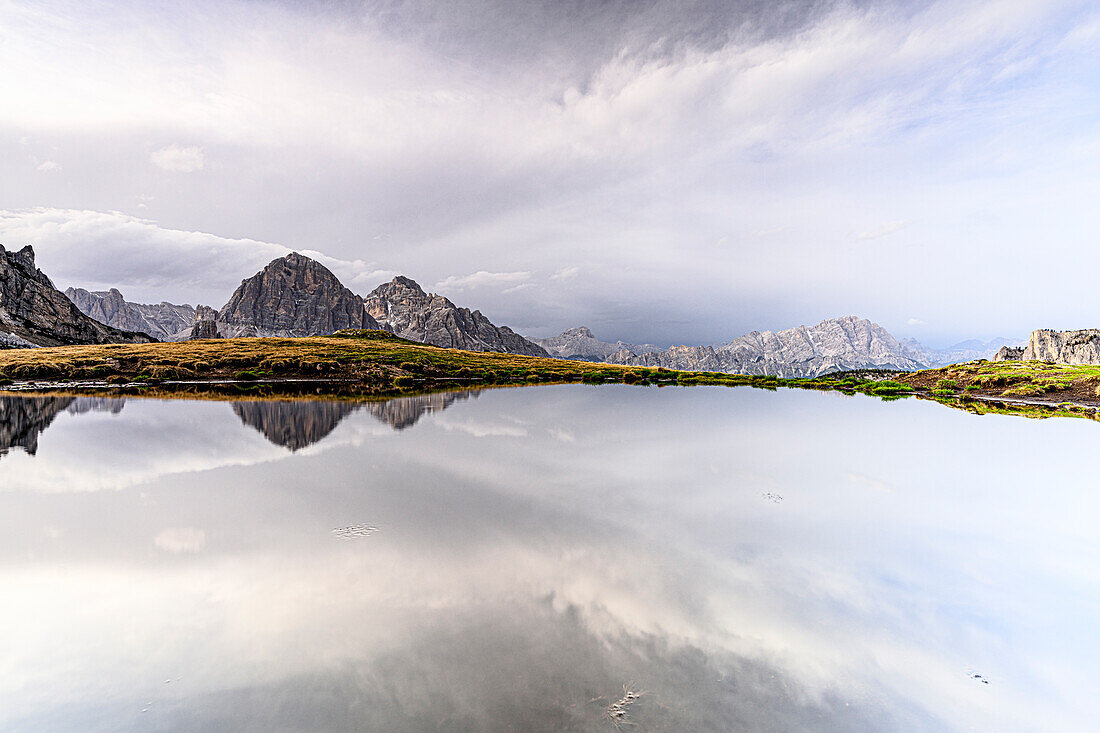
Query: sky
(662, 172)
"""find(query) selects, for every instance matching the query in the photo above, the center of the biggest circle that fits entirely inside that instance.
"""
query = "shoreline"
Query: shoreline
(375, 365)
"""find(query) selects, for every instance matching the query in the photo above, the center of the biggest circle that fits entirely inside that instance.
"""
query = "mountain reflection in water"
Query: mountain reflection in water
(736, 559)
(293, 424)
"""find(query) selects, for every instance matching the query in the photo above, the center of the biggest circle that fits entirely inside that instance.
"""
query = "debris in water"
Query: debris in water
(616, 711)
(355, 530)
(772, 497)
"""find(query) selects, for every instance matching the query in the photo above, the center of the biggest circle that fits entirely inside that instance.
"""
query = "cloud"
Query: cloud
(149, 263)
(482, 429)
(619, 140)
(888, 228)
(915, 322)
(566, 273)
(180, 539)
(49, 165)
(180, 160)
(481, 279)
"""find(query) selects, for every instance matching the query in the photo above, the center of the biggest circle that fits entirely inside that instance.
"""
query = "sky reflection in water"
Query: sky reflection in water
(746, 559)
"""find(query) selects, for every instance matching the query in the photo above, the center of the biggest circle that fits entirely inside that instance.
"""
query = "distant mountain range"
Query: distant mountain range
(164, 321)
(833, 345)
(581, 344)
(298, 296)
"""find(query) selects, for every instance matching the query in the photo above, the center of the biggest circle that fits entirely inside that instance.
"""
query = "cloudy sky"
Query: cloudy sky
(666, 172)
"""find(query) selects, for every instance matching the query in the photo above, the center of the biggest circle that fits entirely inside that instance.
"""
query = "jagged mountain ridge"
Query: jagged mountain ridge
(835, 344)
(402, 307)
(292, 296)
(34, 311)
(164, 321)
(298, 296)
(582, 345)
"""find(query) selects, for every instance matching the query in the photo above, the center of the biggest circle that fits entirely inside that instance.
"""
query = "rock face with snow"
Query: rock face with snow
(833, 345)
(292, 296)
(164, 321)
(34, 311)
(582, 345)
(1060, 347)
(402, 306)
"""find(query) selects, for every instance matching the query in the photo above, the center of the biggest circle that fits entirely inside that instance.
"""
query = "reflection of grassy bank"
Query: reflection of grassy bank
(363, 364)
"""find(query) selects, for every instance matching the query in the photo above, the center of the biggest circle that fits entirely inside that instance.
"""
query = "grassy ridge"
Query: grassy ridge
(376, 363)
(373, 361)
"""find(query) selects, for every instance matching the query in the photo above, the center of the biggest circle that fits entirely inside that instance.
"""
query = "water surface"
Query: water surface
(520, 559)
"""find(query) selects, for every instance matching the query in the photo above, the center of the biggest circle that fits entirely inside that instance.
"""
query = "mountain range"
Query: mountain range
(35, 313)
(298, 296)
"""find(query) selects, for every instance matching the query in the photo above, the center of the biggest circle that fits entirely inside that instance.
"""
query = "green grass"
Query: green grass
(375, 363)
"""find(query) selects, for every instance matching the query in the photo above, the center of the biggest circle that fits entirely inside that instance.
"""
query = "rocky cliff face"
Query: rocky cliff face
(1060, 347)
(832, 345)
(32, 309)
(164, 321)
(581, 344)
(292, 296)
(205, 325)
(402, 306)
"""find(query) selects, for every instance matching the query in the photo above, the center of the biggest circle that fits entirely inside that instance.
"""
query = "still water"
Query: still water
(528, 559)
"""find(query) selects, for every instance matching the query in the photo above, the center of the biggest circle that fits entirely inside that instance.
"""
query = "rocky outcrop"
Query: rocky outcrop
(206, 325)
(1009, 353)
(833, 345)
(164, 321)
(1059, 347)
(292, 296)
(582, 345)
(402, 306)
(33, 310)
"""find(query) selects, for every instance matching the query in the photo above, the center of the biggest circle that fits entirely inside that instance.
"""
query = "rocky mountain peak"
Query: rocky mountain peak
(292, 296)
(403, 307)
(33, 311)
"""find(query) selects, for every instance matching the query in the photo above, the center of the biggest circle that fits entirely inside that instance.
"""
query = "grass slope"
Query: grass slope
(376, 363)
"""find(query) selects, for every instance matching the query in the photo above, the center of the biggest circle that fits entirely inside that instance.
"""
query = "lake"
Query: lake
(547, 558)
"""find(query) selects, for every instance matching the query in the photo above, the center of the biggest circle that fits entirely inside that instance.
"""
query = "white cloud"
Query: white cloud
(482, 429)
(915, 322)
(481, 279)
(177, 159)
(149, 263)
(49, 165)
(888, 228)
(180, 539)
(566, 273)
